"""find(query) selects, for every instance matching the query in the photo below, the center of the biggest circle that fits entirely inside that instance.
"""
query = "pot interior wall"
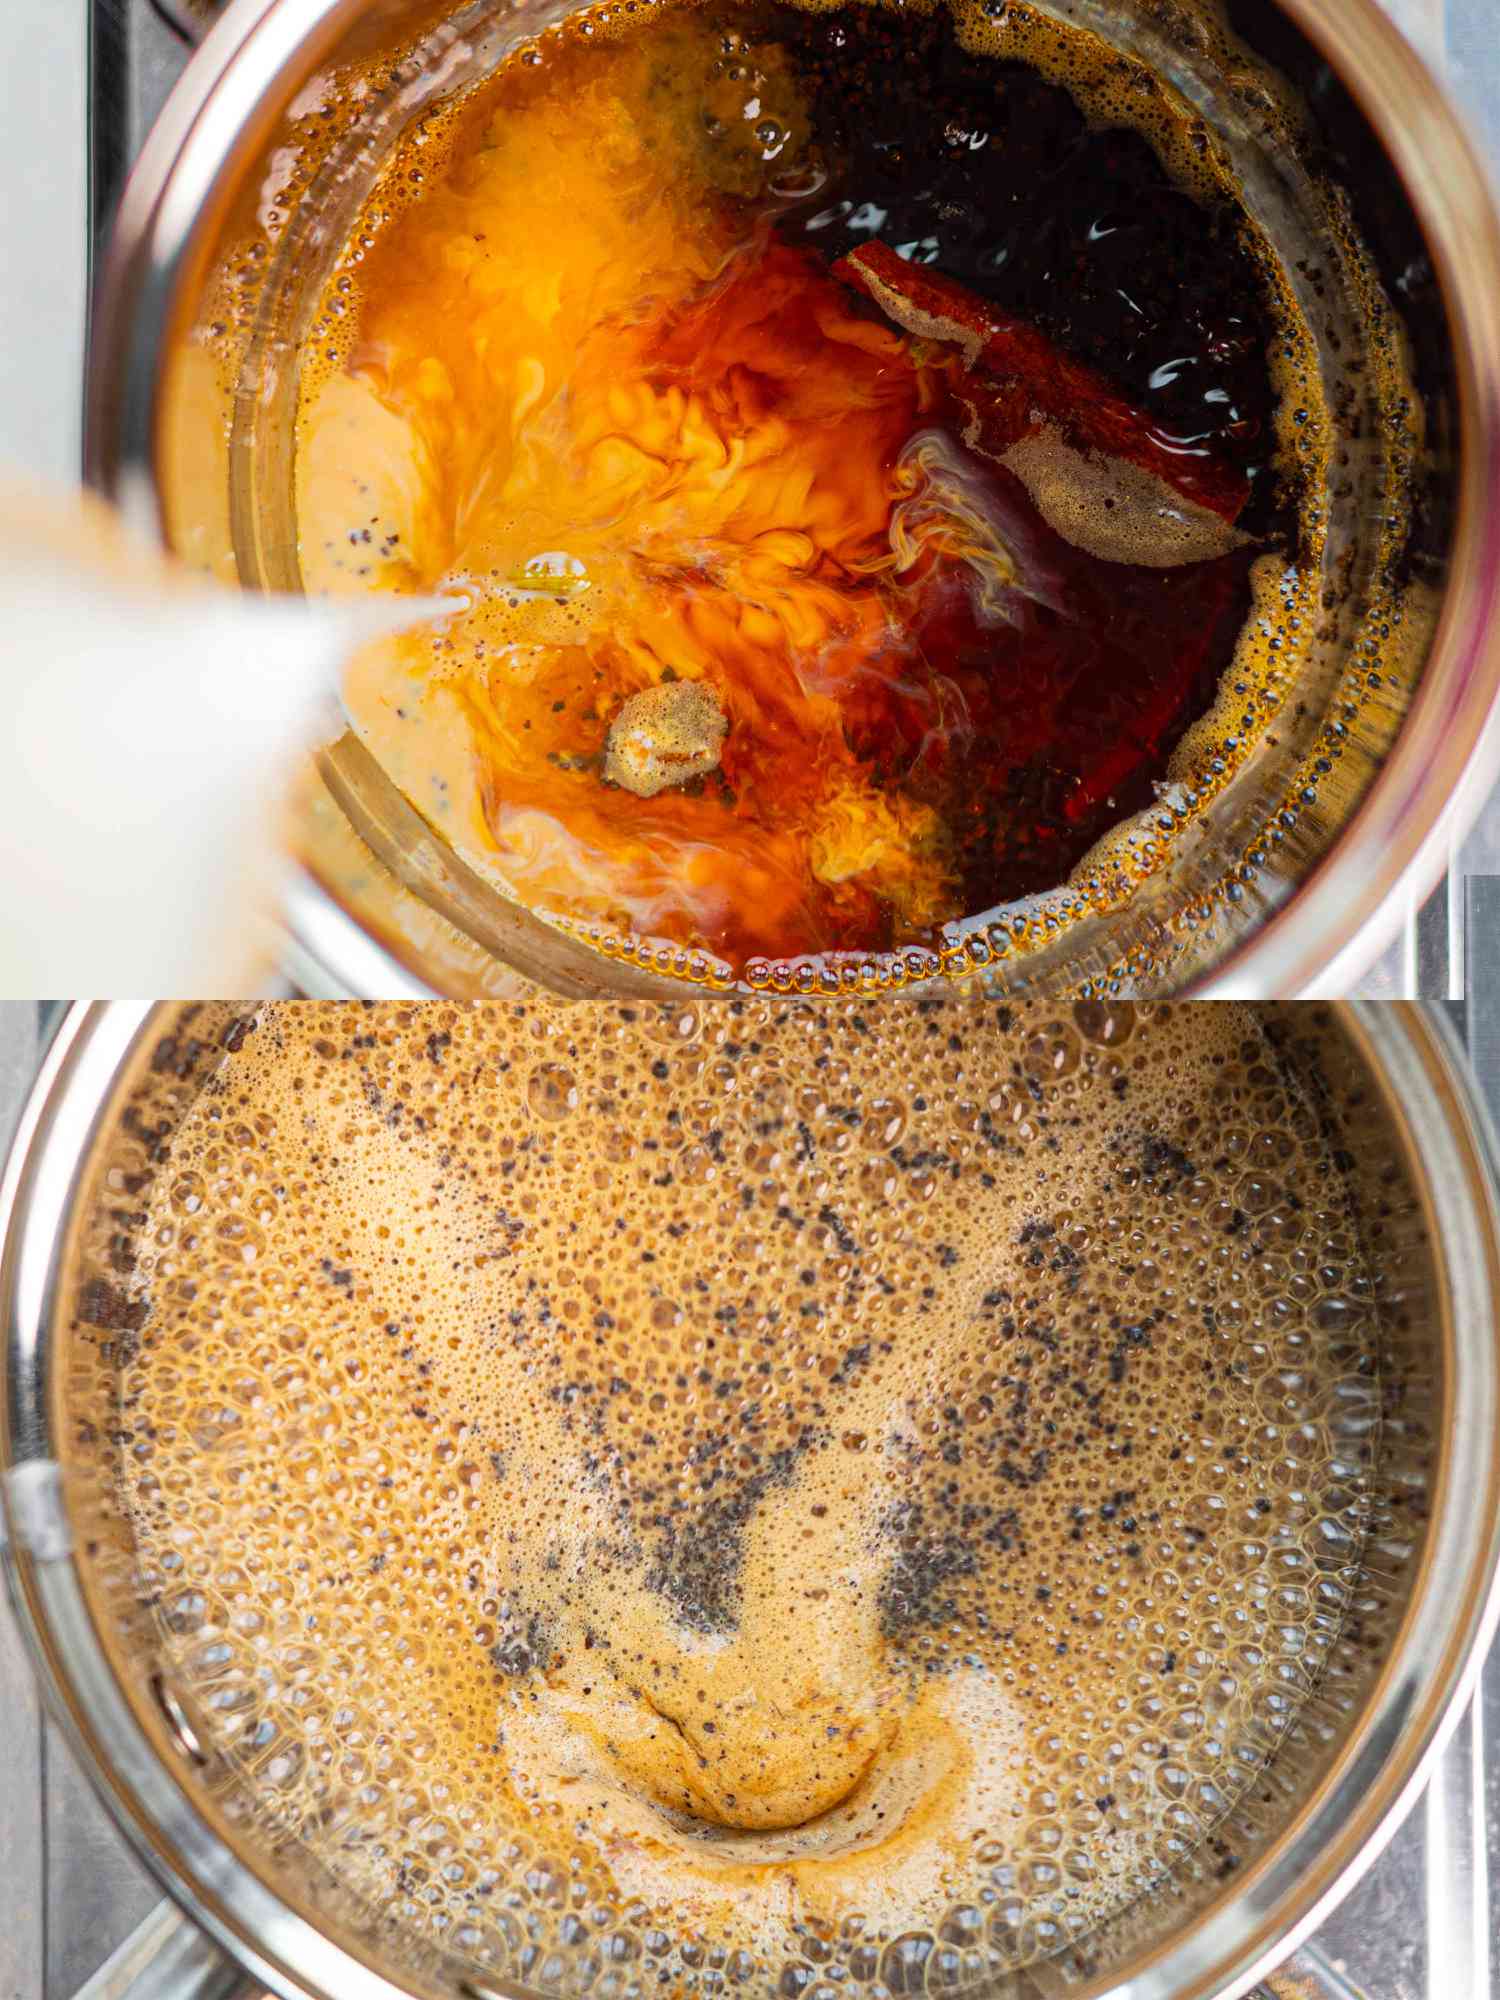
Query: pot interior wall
(1372, 1583)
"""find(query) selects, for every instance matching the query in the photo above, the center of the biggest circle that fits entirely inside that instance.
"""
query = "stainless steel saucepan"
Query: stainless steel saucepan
(1291, 879)
(262, 1904)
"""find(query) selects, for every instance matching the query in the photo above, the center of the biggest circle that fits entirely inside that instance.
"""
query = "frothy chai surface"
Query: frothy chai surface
(766, 1493)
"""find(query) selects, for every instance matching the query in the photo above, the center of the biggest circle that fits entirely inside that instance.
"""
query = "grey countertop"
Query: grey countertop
(43, 250)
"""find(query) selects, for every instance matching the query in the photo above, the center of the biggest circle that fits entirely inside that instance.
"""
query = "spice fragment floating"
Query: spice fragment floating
(1095, 467)
(665, 735)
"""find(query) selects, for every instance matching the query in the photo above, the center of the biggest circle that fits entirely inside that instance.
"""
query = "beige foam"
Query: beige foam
(768, 1467)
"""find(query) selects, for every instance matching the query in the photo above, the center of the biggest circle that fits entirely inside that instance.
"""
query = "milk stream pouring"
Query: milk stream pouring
(154, 719)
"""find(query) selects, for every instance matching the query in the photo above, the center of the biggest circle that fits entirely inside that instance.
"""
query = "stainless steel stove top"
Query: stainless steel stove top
(1420, 1925)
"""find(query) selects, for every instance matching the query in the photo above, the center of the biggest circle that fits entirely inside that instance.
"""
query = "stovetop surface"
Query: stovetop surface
(1419, 1927)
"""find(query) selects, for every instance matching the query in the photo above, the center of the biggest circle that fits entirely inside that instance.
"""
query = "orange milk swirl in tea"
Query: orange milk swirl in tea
(761, 1496)
(859, 465)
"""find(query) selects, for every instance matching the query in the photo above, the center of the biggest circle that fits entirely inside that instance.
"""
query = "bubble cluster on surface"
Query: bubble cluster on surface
(779, 1496)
